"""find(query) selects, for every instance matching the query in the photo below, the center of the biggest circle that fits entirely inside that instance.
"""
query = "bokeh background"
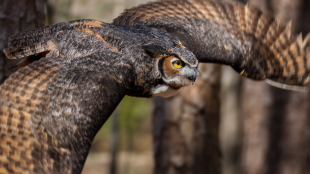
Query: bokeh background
(222, 124)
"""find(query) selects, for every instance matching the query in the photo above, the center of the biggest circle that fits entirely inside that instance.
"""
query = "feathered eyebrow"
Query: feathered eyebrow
(180, 45)
(156, 50)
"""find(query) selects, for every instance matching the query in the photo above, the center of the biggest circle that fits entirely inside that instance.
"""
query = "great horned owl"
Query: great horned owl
(51, 109)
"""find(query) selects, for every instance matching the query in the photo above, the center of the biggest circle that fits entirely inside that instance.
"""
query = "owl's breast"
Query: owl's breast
(163, 91)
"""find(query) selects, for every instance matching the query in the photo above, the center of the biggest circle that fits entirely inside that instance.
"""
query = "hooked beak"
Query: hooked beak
(192, 77)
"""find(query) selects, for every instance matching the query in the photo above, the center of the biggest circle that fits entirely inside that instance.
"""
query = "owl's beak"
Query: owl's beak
(192, 77)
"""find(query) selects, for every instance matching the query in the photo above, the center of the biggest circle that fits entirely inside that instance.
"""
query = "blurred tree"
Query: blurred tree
(17, 16)
(230, 120)
(114, 141)
(276, 125)
(185, 127)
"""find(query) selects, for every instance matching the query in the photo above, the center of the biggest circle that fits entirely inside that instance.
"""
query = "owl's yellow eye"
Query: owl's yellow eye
(177, 64)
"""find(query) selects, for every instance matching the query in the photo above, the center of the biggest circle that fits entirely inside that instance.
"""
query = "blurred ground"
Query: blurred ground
(129, 163)
(135, 141)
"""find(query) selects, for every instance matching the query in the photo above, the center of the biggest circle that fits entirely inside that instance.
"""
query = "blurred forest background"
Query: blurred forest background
(222, 124)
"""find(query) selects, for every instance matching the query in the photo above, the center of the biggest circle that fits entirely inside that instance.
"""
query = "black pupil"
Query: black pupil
(178, 63)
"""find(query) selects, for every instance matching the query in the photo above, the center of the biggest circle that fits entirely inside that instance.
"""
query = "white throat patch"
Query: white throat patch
(163, 91)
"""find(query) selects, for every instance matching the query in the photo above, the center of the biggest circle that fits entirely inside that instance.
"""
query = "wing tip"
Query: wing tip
(7, 53)
(288, 87)
(306, 41)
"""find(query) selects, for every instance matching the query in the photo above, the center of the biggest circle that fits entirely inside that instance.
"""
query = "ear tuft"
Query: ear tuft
(155, 50)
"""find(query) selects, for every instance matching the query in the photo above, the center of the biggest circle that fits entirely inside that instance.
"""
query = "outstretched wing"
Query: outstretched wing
(62, 36)
(51, 109)
(254, 43)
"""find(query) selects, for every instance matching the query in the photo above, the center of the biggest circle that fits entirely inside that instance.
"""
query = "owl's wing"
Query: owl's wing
(51, 110)
(254, 43)
(61, 36)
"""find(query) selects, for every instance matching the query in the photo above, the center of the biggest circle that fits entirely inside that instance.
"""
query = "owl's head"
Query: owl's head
(175, 66)
(161, 64)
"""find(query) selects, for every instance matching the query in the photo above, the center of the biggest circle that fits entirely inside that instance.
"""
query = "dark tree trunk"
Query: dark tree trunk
(276, 125)
(114, 141)
(17, 16)
(185, 127)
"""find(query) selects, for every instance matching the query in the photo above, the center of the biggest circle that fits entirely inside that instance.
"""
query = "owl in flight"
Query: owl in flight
(74, 74)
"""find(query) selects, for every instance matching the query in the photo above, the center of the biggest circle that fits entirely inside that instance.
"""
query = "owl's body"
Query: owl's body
(51, 109)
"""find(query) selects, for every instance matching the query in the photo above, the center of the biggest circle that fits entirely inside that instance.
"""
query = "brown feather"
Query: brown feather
(19, 95)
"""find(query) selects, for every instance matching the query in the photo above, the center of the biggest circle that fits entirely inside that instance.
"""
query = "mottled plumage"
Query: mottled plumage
(74, 74)
(51, 109)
